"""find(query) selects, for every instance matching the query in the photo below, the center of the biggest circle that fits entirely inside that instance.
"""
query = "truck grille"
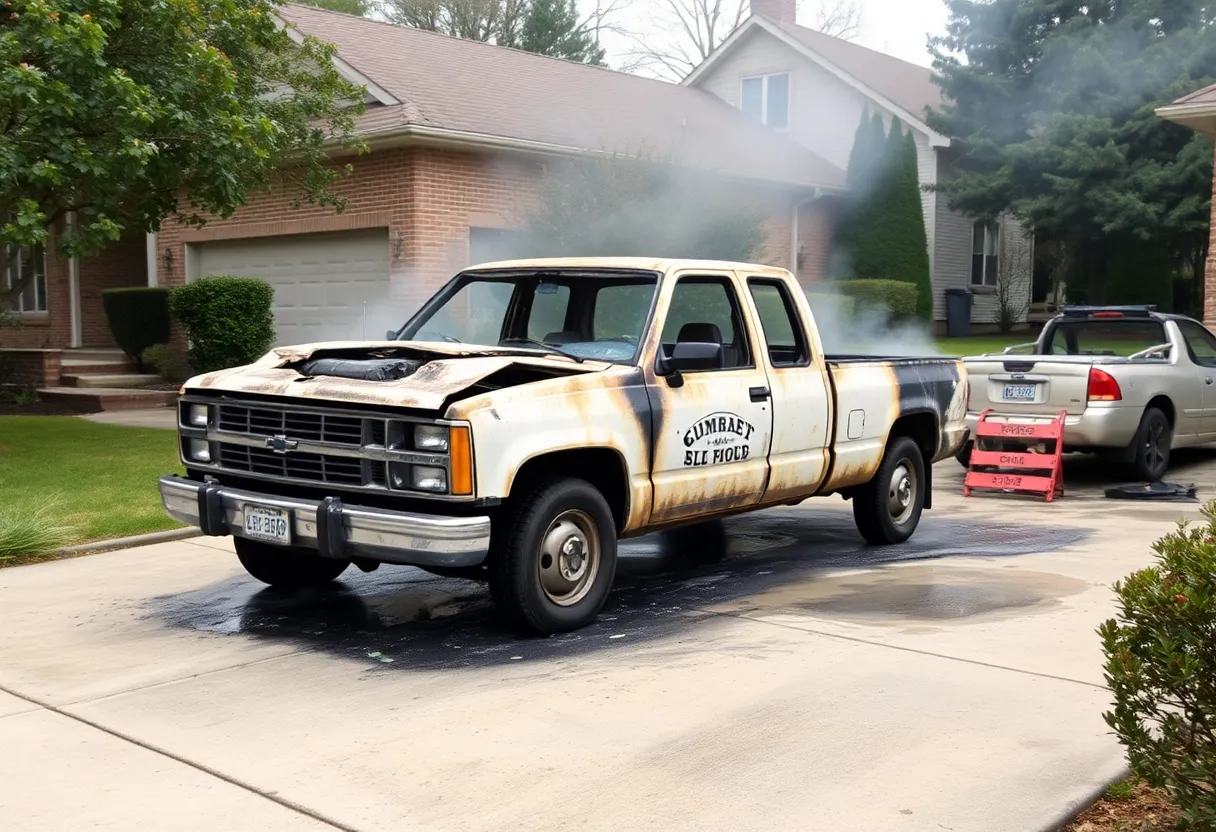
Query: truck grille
(335, 470)
(310, 427)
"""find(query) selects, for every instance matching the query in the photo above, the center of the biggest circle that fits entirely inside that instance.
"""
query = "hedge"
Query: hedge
(898, 297)
(228, 320)
(138, 317)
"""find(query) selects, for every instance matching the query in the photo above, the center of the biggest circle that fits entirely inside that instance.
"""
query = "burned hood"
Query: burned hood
(430, 375)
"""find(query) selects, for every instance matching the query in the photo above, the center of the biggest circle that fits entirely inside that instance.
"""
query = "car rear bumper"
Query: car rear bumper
(334, 529)
(1098, 426)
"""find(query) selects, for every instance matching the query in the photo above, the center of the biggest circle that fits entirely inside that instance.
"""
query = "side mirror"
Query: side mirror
(690, 356)
(391, 335)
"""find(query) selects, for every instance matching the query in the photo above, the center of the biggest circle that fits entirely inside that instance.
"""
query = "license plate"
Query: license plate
(1019, 392)
(270, 524)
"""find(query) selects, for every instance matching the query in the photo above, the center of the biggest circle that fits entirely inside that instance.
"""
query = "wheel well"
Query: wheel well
(921, 428)
(1166, 406)
(602, 467)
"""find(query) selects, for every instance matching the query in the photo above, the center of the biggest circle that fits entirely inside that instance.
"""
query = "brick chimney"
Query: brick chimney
(782, 11)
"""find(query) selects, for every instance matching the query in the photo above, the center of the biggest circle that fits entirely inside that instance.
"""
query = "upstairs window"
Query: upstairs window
(30, 261)
(767, 100)
(985, 253)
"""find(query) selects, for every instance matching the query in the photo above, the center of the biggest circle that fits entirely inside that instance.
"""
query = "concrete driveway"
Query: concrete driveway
(803, 682)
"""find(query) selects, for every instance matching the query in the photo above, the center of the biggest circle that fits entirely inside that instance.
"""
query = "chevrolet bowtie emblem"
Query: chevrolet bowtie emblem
(281, 444)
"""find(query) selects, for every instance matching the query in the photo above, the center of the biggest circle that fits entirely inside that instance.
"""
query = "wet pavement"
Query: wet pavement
(771, 672)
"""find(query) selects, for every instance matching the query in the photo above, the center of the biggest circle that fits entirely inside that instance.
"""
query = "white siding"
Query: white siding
(952, 258)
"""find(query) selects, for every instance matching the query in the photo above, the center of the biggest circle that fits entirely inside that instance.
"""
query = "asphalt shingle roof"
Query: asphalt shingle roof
(471, 87)
(1207, 95)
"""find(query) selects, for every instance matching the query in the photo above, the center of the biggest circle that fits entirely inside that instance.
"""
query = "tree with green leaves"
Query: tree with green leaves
(553, 28)
(1052, 107)
(882, 234)
(118, 114)
(356, 7)
(618, 205)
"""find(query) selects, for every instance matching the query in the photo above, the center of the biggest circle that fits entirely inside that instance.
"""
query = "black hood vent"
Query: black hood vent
(370, 369)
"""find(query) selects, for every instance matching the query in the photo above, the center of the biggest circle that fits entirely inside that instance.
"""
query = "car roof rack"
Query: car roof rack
(1112, 311)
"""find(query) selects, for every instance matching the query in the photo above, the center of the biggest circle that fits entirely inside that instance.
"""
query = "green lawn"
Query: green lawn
(980, 344)
(98, 480)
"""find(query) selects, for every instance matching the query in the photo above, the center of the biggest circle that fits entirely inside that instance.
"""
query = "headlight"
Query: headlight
(196, 415)
(425, 478)
(433, 438)
(198, 450)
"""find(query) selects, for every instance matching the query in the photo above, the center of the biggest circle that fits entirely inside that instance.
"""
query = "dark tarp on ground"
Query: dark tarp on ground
(1165, 491)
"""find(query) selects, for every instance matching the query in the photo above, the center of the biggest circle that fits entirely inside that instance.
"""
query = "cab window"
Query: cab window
(706, 310)
(783, 332)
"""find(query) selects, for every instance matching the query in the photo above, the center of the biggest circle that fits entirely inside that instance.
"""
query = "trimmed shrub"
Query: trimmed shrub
(825, 305)
(138, 317)
(165, 360)
(228, 320)
(1161, 668)
(897, 297)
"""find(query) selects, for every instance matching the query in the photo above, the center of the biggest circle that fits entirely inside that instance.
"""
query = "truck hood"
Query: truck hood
(444, 371)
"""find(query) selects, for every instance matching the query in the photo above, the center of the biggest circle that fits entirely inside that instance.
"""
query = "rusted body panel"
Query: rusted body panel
(706, 446)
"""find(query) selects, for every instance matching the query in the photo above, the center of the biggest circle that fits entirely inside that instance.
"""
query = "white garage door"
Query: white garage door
(324, 284)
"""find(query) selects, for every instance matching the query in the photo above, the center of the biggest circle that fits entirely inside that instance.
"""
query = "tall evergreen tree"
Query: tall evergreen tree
(916, 238)
(552, 27)
(1052, 106)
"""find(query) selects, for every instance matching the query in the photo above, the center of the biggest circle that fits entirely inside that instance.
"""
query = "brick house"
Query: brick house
(460, 132)
(1198, 112)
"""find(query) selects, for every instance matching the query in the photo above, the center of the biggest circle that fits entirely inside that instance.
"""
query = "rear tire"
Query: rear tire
(1152, 446)
(554, 557)
(964, 454)
(290, 568)
(887, 509)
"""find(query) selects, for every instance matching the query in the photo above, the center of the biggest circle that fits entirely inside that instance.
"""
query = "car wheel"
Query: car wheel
(964, 454)
(1152, 449)
(277, 566)
(887, 509)
(554, 558)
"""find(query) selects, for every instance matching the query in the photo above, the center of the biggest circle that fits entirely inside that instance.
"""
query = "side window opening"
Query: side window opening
(783, 332)
(707, 309)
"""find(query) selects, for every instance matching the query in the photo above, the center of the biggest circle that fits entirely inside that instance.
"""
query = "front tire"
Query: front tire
(1152, 446)
(289, 568)
(554, 558)
(887, 509)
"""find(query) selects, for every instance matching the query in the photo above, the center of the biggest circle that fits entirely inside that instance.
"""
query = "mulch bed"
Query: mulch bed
(1130, 806)
(39, 409)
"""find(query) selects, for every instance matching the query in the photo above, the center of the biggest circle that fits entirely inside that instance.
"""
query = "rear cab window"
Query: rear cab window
(784, 336)
(1112, 337)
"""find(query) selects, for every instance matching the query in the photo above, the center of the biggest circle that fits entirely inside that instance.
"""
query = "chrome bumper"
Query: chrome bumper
(334, 529)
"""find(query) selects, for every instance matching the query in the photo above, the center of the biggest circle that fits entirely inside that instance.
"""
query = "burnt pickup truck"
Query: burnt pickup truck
(535, 412)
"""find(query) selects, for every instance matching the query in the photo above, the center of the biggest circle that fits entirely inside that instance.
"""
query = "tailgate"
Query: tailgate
(1032, 384)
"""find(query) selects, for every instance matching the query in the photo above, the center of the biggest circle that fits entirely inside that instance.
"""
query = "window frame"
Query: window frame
(1206, 363)
(742, 331)
(764, 96)
(796, 322)
(991, 228)
(41, 301)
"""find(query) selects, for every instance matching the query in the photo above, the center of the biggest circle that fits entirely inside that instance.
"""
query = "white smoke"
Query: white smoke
(848, 328)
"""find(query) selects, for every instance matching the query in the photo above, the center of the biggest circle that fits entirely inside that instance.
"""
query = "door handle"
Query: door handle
(759, 394)
(1207, 380)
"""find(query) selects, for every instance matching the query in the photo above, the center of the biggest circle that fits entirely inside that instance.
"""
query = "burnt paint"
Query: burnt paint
(400, 618)
(927, 387)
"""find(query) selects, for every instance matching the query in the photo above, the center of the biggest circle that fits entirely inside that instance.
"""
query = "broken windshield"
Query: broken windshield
(585, 315)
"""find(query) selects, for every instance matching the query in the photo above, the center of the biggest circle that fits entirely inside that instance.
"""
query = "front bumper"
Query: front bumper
(1098, 426)
(334, 529)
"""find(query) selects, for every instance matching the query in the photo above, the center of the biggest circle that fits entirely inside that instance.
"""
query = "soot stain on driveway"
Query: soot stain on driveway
(403, 618)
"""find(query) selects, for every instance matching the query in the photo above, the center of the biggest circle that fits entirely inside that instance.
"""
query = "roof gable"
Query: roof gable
(898, 86)
(505, 96)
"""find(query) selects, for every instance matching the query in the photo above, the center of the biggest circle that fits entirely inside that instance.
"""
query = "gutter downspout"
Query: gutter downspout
(816, 195)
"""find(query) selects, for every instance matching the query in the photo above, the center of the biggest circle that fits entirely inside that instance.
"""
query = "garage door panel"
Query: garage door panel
(321, 282)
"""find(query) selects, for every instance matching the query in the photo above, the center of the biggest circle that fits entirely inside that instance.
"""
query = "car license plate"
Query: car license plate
(1019, 392)
(269, 524)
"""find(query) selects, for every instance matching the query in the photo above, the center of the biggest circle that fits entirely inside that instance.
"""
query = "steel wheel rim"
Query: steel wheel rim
(901, 492)
(1153, 451)
(569, 558)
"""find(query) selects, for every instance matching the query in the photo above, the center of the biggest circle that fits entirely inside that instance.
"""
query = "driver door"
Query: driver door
(712, 431)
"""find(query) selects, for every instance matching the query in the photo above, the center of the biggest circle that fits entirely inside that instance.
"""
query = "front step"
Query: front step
(106, 354)
(97, 399)
(108, 380)
(93, 366)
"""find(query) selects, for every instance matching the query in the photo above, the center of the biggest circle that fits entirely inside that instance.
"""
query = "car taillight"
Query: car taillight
(1103, 387)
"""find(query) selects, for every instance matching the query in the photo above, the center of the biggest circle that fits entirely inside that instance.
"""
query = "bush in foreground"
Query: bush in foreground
(1161, 667)
(228, 319)
(138, 317)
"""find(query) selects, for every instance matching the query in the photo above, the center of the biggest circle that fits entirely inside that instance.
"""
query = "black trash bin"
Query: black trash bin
(958, 313)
